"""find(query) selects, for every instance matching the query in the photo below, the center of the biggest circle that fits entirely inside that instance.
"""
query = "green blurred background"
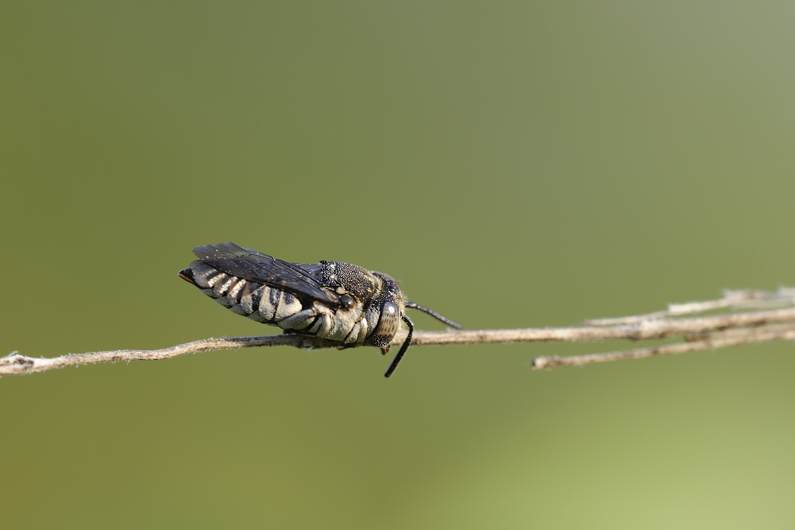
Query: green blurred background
(515, 164)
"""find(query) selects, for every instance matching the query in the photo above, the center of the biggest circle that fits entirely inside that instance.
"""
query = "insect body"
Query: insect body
(337, 301)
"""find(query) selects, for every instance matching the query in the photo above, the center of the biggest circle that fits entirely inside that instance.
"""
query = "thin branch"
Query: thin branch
(721, 339)
(16, 364)
(699, 333)
(746, 299)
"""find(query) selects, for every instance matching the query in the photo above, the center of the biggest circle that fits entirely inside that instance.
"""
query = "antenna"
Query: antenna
(434, 314)
(403, 348)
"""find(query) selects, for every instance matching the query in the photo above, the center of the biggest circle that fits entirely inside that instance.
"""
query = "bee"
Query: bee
(332, 300)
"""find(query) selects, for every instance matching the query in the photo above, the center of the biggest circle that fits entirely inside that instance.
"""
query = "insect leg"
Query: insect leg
(434, 314)
(299, 321)
(403, 348)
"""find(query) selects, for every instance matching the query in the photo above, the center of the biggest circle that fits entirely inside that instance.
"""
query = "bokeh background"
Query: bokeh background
(515, 164)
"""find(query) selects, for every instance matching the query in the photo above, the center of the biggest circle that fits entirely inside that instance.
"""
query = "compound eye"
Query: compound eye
(388, 324)
(347, 302)
(389, 313)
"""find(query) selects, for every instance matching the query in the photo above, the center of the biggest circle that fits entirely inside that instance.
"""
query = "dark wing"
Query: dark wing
(296, 278)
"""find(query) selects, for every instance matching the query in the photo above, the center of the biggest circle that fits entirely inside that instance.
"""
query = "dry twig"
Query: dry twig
(755, 322)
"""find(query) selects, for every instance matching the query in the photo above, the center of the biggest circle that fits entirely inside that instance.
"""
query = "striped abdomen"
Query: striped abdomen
(276, 307)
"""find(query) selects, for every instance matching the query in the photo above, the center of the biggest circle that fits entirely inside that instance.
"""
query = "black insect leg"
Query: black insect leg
(403, 348)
